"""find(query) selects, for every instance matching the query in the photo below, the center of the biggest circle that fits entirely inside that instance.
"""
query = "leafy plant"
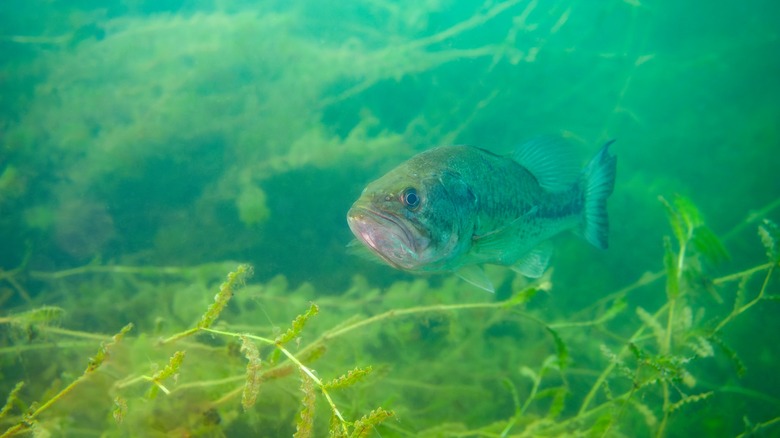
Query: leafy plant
(221, 375)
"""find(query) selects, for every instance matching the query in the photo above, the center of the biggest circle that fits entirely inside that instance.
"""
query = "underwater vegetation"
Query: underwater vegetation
(174, 180)
(365, 363)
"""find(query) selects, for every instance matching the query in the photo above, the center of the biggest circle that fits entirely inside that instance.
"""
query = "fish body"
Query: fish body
(454, 208)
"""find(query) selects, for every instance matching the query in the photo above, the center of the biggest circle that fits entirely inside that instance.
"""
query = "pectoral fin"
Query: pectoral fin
(475, 275)
(498, 244)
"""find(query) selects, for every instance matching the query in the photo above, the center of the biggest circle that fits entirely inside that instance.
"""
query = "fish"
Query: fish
(453, 209)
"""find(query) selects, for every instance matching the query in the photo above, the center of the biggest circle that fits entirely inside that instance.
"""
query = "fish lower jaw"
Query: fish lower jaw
(384, 237)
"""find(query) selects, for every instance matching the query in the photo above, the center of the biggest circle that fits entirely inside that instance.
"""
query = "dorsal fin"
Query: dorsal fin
(552, 160)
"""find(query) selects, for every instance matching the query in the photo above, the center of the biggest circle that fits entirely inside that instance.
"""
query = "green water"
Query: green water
(147, 148)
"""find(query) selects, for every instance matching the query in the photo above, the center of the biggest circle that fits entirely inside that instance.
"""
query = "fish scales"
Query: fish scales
(453, 207)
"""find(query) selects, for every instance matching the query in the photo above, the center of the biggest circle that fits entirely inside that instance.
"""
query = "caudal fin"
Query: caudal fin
(598, 180)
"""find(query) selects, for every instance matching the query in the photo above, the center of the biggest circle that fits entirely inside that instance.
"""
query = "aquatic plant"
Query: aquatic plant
(240, 81)
(231, 99)
(624, 370)
(258, 372)
(208, 118)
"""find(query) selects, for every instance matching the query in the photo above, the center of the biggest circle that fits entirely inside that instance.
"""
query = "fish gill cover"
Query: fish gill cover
(150, 149)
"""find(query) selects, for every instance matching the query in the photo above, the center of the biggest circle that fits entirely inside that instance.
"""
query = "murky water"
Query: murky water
(148, 148)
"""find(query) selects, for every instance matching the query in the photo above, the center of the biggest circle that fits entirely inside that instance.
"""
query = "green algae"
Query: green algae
(137, 163)
(634, 379)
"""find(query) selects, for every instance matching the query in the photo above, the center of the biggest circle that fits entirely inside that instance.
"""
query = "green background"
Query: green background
(192, 133)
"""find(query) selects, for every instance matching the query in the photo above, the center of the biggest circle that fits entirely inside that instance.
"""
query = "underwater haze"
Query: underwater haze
(175, 178)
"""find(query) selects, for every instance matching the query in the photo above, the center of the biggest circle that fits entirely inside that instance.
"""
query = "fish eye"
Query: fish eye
(410, 198)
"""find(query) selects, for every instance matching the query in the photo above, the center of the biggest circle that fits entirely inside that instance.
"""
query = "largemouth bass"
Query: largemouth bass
(454, 208)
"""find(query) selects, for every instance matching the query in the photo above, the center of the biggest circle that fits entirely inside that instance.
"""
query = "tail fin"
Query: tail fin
(598, 179)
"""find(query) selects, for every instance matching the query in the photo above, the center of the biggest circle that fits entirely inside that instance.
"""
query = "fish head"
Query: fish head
(409, 219)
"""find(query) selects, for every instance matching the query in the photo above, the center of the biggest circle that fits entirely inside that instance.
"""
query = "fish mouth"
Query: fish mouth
(385, 235)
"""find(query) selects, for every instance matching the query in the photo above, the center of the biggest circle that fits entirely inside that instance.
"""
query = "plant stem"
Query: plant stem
(328, 335)
(607, 371)
(734, 313)
(297, 363)
(28, 419)
(92, 269)
(739, 275)
(181, 335)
